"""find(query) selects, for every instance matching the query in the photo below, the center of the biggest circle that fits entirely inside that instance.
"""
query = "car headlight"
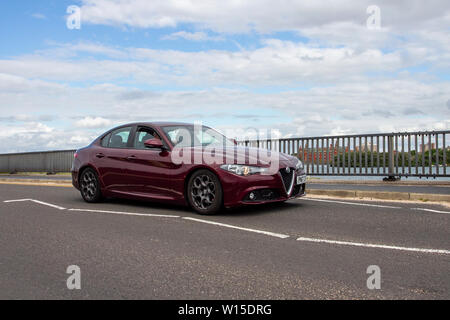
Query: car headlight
(242, 170)
(299, 165)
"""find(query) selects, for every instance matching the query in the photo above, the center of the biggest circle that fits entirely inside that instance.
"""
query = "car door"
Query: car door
(151, 170)
(111, 159)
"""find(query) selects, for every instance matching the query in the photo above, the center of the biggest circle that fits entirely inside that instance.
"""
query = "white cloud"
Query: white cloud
(92, 122)
(275, 63)
(29, 128)
(349, 107)
(11, 82)
(38, 15)
(191, 36)
(258, 15)
(70, 50)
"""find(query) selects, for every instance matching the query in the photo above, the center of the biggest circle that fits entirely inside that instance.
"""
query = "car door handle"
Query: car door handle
(100, 155)
(132, 158)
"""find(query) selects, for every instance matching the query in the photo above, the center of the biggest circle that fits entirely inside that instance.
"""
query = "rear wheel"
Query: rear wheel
(90, 186)
(204, 192)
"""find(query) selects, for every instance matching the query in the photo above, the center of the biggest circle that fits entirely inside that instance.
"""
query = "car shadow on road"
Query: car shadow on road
(139, 204)
(169, 208)
(262, 209)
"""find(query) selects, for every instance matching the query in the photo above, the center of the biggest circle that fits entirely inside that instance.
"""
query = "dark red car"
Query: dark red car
(184, 164)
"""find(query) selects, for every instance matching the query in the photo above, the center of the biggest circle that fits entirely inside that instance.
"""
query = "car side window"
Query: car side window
(176, 136)
(142, 135)
(105, 140)
(119, 138)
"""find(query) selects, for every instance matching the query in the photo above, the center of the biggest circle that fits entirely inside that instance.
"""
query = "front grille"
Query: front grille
(287, 179)
(298, 190)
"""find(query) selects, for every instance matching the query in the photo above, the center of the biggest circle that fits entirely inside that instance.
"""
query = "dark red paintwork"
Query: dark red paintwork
(151, 175)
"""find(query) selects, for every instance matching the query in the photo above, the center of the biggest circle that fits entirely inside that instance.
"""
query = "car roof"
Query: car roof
(150, 124)
(157, 124)
(168, 123)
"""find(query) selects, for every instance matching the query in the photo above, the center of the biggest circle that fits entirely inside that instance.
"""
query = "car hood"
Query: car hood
(238, 155)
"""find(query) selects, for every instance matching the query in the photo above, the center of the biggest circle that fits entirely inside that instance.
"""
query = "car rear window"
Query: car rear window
(105, 140)
(119, 138)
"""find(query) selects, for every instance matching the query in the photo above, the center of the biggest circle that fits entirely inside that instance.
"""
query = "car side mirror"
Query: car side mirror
(153, 143)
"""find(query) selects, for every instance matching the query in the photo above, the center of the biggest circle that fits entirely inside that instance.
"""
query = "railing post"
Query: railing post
(391, 173)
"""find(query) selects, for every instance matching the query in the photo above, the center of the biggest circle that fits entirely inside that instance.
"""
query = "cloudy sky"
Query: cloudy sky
(301, 68)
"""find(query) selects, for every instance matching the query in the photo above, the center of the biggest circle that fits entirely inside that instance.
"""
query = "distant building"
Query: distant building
(370, 148)
(424, 147)
(319, 154)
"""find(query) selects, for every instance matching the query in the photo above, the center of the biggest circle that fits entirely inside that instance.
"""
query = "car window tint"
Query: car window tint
(172, 134)
(184, 136)
(143, 135)
(119, 138)
(105, 140)
(205, 138)
(178, 137)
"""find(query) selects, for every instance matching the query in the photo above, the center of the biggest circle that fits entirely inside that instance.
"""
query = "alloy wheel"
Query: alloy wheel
(203, 191)
(89, 185)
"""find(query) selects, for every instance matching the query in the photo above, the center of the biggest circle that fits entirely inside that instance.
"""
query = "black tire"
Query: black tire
(204, 192)
(90, 186)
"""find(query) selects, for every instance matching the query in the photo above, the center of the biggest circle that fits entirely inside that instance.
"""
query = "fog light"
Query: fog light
(252, 196)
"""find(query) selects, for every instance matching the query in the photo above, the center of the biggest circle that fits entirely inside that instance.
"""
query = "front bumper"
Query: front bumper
(266, 188)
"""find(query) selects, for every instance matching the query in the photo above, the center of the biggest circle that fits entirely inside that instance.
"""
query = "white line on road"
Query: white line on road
(37, 201)
(267, 233)
(430, 210)
(352, 203)
(277, 235)
(48, 204)
(127, 213)
(370, 245)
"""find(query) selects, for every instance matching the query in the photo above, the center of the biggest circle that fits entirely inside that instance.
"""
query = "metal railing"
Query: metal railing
(404, 154)
(48, 161)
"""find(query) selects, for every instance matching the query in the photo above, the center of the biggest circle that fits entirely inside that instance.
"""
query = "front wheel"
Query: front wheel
(204, 192)
(90, 186)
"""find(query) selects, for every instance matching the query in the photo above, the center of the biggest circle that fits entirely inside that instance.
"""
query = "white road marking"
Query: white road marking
(352, 203)
(277, 235)
(430, 210)
(371, 245)
(267, 233)
(127, 213)
(36, 201)
(48, 204)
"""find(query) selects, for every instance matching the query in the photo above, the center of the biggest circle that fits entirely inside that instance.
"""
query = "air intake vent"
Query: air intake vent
(287, 175)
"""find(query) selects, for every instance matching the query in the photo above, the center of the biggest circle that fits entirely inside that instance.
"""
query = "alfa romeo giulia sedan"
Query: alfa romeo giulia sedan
(184, 164)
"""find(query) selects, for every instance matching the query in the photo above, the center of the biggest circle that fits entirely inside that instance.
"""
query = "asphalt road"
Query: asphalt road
(269, 252)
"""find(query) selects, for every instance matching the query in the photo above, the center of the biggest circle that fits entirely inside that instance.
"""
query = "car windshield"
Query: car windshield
(190, 136)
